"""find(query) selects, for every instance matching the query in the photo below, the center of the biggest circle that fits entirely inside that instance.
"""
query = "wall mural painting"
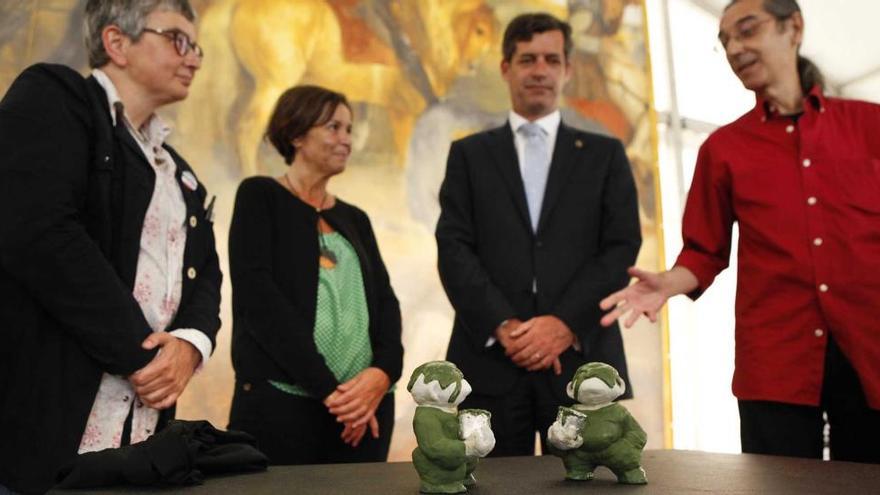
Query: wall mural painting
(419, 74)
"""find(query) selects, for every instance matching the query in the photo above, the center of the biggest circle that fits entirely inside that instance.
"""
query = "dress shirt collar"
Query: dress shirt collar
(813, 99)
(153, 131)
(550, 123)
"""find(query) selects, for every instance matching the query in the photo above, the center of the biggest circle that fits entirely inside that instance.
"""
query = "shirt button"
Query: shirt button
(191, 273)
(125, 398)
(823, 288)
(810, 201)
(807, 162)
(106, 158)
(193, 221)
(789, 129)
(246, 387)
(818, 332)
(817, 241)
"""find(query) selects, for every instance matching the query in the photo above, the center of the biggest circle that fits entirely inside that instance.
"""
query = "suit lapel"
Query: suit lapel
(503, 150)
(560, 168)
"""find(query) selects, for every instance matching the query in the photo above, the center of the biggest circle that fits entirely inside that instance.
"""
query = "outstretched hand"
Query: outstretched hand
(647, 296)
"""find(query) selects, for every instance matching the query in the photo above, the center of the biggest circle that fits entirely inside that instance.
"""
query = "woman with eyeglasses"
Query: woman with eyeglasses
(316, 325)
(800, 174)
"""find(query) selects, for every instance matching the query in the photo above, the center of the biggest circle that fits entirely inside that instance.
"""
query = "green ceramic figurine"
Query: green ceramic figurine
(596, 431)
(449, 443)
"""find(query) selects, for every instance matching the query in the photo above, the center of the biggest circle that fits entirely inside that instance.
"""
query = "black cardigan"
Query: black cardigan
(273, 262)
(74, 190)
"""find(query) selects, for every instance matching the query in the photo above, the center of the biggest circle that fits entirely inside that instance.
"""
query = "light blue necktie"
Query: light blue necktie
(535, 167)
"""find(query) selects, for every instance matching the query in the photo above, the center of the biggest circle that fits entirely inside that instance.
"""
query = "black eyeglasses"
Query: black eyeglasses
(181, 41)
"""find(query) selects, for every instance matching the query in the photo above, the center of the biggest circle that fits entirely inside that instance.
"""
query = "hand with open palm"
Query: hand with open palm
(647, 296)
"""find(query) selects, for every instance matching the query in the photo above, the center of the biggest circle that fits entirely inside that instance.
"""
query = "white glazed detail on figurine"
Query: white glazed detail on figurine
(597, 431)
(566, 430)
(449, 443)
(475, 430)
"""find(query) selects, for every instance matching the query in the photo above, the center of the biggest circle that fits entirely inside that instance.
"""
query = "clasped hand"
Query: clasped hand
(537, 343)
(354, 403)
(160, 383)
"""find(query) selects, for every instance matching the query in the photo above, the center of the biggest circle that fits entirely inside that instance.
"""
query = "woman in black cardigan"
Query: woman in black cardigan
(316, 332)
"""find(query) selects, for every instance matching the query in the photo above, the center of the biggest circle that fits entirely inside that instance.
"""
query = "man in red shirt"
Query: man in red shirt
(801, 174)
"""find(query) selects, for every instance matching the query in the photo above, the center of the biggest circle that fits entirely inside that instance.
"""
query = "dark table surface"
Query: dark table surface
(669, 472)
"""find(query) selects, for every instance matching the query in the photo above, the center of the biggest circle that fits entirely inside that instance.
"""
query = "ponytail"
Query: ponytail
(810, 74)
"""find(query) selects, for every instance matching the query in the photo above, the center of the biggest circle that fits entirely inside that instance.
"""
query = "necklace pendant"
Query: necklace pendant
(327, 258)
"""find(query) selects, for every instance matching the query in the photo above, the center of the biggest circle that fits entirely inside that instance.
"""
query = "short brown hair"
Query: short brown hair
(524, 26)
(299, 109)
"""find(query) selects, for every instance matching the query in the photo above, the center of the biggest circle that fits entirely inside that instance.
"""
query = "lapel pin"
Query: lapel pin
(578, 143)
(189, 180)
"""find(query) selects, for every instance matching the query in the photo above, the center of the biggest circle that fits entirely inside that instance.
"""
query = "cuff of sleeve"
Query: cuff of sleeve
(199, 340)
(491, 340)
(392, 367)
(704, 267)
(322, 391)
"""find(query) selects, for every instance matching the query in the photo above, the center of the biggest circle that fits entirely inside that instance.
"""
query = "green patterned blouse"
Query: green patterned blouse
(342, 320)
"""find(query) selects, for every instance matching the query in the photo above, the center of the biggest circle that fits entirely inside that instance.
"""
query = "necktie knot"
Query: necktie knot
(531, 130)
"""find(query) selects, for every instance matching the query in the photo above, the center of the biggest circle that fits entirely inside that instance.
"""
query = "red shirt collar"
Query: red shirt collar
(815, 99)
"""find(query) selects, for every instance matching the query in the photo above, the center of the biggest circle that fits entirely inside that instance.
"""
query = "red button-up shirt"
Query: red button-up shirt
(806, 195)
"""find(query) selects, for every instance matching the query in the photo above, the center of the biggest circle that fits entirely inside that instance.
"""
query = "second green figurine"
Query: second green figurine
(597, 431)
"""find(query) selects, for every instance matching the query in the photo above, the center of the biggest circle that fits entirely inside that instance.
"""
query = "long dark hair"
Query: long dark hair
(809, 72)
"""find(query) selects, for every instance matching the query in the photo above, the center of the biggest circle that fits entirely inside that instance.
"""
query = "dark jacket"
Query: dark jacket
(588, 234)
(180, 454)
(273, 262)
(74, 191)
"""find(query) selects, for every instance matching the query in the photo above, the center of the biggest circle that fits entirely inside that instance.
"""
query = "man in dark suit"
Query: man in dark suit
(107, 253)
(538, 221)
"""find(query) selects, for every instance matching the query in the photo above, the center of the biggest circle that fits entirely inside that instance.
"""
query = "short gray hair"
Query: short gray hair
(129, 16)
